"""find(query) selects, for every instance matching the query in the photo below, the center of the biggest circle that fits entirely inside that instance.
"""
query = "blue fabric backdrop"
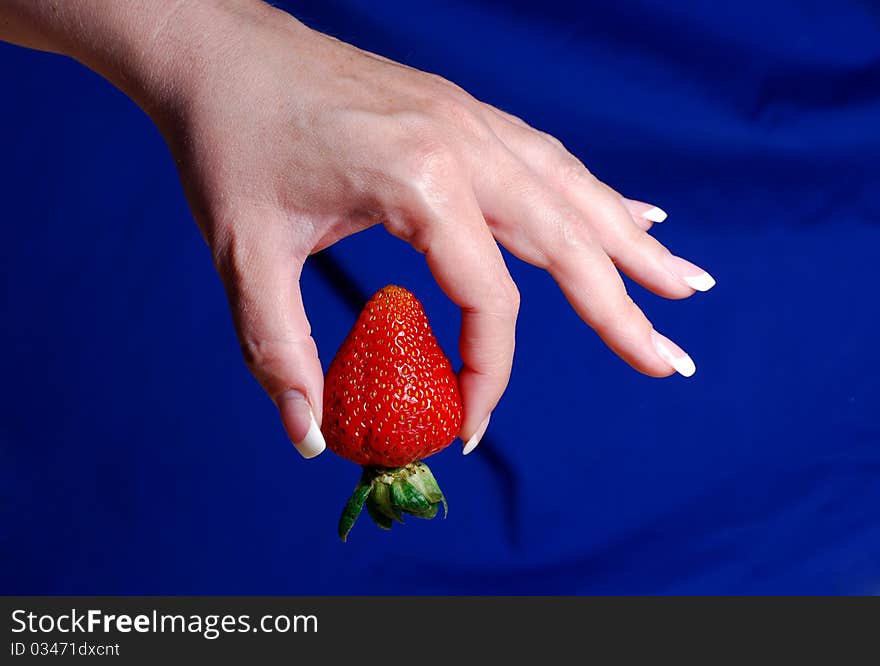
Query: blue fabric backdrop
(137, 455)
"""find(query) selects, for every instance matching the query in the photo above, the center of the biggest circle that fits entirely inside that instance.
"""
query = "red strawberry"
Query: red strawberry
(391, 399)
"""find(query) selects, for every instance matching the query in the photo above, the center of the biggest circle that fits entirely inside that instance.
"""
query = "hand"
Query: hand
(288, 141)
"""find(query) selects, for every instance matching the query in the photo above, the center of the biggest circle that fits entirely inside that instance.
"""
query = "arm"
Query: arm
(287, 140)
(135, 45)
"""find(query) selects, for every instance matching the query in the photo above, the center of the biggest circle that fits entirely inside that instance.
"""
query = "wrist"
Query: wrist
(161, 53)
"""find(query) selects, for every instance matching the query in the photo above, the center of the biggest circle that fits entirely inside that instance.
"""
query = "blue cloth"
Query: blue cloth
(137, 455)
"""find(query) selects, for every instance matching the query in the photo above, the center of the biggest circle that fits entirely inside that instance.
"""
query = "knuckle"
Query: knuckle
(263, 357)
(572, 172)
(505, 300)
(552, 140)
(231, 257)
(456, 108)
(516, 120)
(569, 240)
(273, 361)
(512, 296)
(625, 319)
(527, 189)
(569, 233)
(430, 163)
(434, 161)
(454, 115)
(445, 84)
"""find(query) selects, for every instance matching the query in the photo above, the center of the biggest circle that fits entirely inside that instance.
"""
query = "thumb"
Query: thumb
(262, 285)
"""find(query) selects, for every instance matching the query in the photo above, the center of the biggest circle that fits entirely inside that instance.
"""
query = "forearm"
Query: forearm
(150, 49)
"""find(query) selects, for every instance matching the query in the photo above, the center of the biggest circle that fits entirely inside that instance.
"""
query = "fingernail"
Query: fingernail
(477, 436)
(673, 354)
(313, 443)
(644, 210)
(300, 424)
(691, 274)
(655, 214)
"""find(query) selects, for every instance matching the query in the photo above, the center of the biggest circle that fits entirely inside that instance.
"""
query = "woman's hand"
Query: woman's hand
(288, 140)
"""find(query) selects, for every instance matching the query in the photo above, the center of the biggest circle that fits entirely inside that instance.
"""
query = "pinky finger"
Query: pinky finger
(644, 215)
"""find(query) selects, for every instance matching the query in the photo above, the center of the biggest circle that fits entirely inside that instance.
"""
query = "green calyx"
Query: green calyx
(390, 492)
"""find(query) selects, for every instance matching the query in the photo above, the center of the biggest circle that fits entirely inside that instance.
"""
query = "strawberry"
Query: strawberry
(390, 396)
(390, 400)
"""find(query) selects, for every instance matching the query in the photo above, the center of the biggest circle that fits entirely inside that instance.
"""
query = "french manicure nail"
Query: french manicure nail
(313, 443)
(295, 412)
(655, 214)
(691, 274)
(673, 354)
(476, 437)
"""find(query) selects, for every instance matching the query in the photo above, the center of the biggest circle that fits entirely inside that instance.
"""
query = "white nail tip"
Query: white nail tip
(313, 443)
(476, 437)
(655, 214)
(683, 365)
(701, 282)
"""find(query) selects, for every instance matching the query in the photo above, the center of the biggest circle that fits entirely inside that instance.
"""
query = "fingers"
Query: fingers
(468, 266)
(635, 252)
(617, 223)
(644, 215)
(470, 269)
(262, 284)
(540, 227)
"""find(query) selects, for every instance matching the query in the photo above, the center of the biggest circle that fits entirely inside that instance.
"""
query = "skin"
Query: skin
(287, 141)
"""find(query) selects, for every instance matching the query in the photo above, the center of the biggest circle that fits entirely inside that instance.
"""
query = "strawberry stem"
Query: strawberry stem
(389, 492)
(353, 507)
